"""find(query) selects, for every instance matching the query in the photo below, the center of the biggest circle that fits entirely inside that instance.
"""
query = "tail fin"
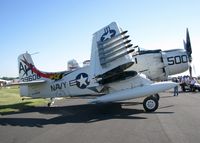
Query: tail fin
(28, 72)
(26, 65)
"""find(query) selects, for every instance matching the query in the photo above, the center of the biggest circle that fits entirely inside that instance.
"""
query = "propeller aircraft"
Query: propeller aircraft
(117, 72)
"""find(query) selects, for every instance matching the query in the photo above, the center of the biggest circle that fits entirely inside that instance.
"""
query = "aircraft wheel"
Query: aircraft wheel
(150, 104)
(51, 102)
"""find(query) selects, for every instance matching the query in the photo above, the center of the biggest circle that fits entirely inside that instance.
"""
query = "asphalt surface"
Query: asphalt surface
(72, 121)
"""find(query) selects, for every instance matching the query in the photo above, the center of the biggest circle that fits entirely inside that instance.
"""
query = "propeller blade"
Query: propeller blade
(188, 46)
(184, 44)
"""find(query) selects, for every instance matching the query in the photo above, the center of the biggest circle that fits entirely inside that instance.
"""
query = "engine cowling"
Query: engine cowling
(176, 61)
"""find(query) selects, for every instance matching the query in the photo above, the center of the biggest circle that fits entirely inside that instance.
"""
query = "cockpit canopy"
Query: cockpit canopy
(72, 65)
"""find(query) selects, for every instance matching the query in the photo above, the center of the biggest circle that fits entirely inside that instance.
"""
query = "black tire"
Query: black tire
(150, 104)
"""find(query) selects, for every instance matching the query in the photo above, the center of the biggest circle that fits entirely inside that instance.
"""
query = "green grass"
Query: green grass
(10, 101)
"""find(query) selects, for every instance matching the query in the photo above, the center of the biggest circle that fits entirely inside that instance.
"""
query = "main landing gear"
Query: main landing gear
(156, 96)
(151, 103)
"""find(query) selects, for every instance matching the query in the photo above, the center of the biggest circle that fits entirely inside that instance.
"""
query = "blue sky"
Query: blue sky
(61, 30)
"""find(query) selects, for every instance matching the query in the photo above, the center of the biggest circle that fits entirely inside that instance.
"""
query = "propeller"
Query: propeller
(188, 48)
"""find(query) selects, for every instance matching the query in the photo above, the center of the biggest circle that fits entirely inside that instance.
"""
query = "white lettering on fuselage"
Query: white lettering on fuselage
(58, 86)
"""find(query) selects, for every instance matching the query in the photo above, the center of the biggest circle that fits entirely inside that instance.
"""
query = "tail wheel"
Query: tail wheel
(150, 104)
(51, 102)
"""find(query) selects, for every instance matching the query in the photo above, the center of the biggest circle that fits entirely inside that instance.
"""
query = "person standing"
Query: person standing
(176, 87)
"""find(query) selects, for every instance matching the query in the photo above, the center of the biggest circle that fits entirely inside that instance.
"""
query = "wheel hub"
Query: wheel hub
(150, 104)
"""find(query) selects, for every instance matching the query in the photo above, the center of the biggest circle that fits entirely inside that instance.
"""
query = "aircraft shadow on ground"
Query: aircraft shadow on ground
(73, 114)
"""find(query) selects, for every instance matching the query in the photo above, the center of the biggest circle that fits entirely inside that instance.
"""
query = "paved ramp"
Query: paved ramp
(72, 121)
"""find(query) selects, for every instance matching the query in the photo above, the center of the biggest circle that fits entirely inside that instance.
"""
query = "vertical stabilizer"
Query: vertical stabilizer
(26, 65)
(28, 72)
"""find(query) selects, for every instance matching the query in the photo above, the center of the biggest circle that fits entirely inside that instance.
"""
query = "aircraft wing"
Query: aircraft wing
(136, 92)
(111, 50)
(111, 56)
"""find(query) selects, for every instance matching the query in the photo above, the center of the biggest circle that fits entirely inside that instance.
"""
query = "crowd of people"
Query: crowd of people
(186, 83)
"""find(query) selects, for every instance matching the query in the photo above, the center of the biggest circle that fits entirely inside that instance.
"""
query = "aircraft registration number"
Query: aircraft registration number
(30, 78)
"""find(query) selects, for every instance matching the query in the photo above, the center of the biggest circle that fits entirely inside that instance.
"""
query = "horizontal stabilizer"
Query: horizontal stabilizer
(28, 83)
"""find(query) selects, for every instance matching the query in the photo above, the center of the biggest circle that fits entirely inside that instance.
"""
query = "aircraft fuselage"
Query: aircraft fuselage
(158, 65)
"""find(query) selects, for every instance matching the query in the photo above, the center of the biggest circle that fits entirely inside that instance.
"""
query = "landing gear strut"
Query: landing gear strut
(156, 96)
(51, 102)
(150, 104)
